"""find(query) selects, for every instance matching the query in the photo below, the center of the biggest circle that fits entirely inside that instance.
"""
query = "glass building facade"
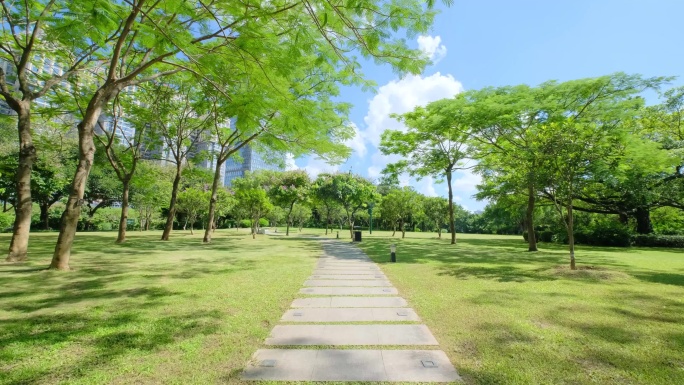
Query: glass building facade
(251, 161)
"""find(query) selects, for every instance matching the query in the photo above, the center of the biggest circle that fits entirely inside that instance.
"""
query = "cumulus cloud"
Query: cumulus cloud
(357, 143)
(400, 96)
(432, 47)
(465, 181)
(426, 186)
(290, 162)
(315, 166)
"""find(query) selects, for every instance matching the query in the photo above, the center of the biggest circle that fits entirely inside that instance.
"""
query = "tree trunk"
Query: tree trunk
(289, 219)
(123, 221)
(452, 226)
(394, 229)
(44, 215)
(172, 205)
(403, 230)
(439, 231)
(529, 219)
(643, 218)
(571, 237)
(72, 212)
(191, 228)
(351, 225)
(18, 250)
(212, 202)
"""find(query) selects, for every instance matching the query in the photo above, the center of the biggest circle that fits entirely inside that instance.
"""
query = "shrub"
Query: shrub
(6, 221)
(652, 240)
(263, 222)
(536, 236)
(245, 223)
(608, 233)
(546, 236)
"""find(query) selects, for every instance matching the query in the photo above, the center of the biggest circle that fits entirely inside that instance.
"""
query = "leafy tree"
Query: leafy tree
(252, 200)
(193, 203)
(33, 31)
(151, 189)
(275, 216)
(437, 211)
(400, 206)
(324, 200)
(300, 214)
(435, 143)
(352, 193)
(292, 187)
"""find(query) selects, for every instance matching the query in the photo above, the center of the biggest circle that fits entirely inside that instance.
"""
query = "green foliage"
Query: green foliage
(653, 240)
(605, 232)
(6, 220)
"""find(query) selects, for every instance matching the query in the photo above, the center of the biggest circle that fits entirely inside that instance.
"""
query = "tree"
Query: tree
(193, 203)
(292, 187)
(400, 205)
(123, 151)
(435, 143)
(437, 211)
(141, 41)
(352, 193)
(300, 214)
(252, 200)
(24, 46)
(151, 190)
(585, 135)
(324, 200)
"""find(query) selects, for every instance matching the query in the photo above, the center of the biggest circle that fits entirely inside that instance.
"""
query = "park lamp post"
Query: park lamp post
(393, 253)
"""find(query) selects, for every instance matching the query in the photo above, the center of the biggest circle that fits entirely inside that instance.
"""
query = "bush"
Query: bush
(6, 221)
(607, 233)
(245, 223)
(546, 236)
(536, 236)
(652, 240)
(263, 222)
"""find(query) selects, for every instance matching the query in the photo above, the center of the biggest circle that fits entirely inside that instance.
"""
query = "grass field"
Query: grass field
(147, 311)
(180, 312)
(507, 316)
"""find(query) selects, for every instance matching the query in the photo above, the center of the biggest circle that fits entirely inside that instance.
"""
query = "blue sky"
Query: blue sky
(481, 43)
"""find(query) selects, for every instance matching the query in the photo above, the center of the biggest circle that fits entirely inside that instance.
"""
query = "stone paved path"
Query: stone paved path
(346, 291)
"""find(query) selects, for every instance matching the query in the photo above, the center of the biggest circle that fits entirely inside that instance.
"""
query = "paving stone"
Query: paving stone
(415, 366)
(351, 335)
(346, 282)
(322, 290)
(350, 365)
(348, 302)
(349, 276)
(350, 314)
(347, 272)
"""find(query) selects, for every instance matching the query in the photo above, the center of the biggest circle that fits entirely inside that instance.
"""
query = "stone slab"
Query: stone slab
(347, 266)
(350, 314)
(350, 365)
(377, 276)
(351, 335)
(347, 271)
(346, 282)
(349, 302)
(323, 290)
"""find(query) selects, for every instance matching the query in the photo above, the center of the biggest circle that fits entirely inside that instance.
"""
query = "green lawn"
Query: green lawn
(147, 311)
(180, 312)
(507, 316)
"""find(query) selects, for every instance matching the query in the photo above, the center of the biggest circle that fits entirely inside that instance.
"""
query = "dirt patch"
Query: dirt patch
(588, 272)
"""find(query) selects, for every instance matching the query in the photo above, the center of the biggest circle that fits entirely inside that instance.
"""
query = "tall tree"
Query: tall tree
(193, 203)
(352, 193)
(435, 144)
(28, 48)
(292, 187)
(437, 211)
(252, 200)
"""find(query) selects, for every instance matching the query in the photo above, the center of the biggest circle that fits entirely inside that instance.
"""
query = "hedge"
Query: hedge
(652, 240)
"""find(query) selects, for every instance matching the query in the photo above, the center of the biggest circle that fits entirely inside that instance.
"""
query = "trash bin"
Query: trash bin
(357, 236)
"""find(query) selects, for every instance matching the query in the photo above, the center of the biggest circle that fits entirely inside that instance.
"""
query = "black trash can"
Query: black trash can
(357, 236)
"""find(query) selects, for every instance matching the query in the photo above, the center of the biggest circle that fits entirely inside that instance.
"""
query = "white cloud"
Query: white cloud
(426, 187)
(357, 143)
(432, 47)
(400, 96)
(290, 162)
(315, 166)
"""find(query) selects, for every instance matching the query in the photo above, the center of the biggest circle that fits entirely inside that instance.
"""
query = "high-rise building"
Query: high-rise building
(251, 161)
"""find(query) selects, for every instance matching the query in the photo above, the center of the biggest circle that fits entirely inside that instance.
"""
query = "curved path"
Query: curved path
(350, 325)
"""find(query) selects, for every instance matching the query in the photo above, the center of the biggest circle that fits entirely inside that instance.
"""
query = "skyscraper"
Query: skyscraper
(251, 161)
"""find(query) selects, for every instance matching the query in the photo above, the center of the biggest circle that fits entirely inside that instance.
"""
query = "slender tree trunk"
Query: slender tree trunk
(212, 201)
(172, 205)
(72, 212)
(351, 225)
(123, 221)
(529, 219)
(44, 215)
(451, 208)
(191, 228)
(439, 231)
(289, 219)
(394, 229)
(643, 219)
(18, 250)
(403, 230)
(571, 237)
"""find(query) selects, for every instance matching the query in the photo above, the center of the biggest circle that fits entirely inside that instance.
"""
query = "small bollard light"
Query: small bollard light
(393, 253)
